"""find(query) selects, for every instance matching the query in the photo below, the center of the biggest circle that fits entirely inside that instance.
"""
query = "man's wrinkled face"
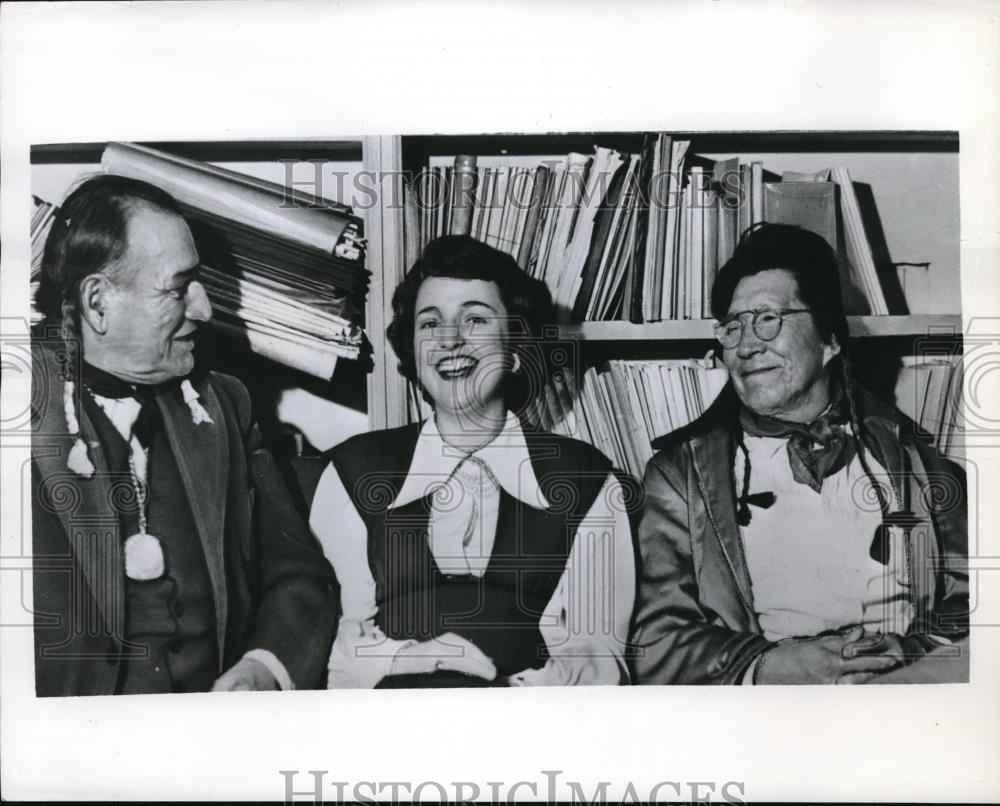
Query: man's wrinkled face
(785, 377)
(155, 304)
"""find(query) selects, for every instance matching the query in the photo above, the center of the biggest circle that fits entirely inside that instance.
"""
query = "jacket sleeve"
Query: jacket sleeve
(675, 638)
(292, 586)
(946, 495)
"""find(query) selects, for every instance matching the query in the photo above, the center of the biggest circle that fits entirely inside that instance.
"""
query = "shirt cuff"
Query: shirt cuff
(361, 656)
(274, 666)
(748, 674)
(530, 677)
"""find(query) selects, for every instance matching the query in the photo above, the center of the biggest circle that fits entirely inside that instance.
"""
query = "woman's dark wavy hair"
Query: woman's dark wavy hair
(528, 303)
(89, 234)
(803, 254)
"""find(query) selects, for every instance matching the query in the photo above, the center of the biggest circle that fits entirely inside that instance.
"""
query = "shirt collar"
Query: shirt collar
(121, 411)
(434, 461)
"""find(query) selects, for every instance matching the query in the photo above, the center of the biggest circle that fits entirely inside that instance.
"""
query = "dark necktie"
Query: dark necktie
(104, 384)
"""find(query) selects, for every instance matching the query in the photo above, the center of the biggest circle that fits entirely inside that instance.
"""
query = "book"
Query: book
(660, 199)
(673, 226)
(599, 174)
(756, 192)
(811, 205)
(464, 186)
(617, 252)
(602, 240)
(709, 249)
(635, 279)
(859, 251)
(726, 176)
(533, 215)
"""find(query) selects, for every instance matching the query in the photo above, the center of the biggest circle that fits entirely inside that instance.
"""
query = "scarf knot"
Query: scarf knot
(815, 450)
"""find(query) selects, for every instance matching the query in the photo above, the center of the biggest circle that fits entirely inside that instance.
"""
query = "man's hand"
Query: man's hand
(828, 659)
(447, 652)
(904, 648)
(248, 674)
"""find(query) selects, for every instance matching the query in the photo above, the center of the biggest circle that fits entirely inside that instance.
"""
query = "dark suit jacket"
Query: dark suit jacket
(272, 587)
(695, 620)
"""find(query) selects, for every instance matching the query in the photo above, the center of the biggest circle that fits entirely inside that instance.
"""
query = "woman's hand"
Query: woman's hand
(449, 652)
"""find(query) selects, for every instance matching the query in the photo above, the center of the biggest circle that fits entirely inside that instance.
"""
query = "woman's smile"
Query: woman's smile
(456, 367)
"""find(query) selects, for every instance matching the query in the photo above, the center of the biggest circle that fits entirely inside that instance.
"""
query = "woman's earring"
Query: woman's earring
(515, 364)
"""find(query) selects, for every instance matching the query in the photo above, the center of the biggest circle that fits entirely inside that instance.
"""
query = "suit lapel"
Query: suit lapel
(83, 505)
(202, 455)
(708, 450)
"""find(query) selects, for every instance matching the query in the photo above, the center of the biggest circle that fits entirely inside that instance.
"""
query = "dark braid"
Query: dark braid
(742, 503)
(859, 442)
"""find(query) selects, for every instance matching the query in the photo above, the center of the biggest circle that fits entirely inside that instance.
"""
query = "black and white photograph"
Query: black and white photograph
(674, 418)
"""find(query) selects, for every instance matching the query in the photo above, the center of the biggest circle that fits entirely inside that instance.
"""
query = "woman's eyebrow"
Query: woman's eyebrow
(476, 303)
(428, 309)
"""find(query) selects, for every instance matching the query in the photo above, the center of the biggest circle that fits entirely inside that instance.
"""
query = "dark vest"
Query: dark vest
(170, 621)
(500, 611)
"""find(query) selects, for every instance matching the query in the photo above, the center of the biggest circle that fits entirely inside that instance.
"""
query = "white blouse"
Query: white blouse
(808, 554)
(584, 625)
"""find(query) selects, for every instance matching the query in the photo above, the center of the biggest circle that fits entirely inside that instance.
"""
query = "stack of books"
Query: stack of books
(284, 273)
(637, 237)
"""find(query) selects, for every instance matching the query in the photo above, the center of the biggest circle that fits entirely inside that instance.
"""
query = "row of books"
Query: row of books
(285, 274)
(929, 392)
(620, 407)
(637, 237)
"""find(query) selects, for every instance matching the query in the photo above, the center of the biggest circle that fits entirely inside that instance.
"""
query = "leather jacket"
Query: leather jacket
(695, 621)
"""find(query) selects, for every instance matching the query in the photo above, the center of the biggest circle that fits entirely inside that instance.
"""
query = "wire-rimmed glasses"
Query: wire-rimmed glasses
(766, 324)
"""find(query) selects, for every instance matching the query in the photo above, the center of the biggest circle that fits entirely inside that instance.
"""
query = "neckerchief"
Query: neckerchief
(815, 450)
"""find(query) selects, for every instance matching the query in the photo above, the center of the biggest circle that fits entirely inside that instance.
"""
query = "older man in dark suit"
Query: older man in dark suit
(167, 555)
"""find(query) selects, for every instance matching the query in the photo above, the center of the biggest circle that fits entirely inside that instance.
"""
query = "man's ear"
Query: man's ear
(831, 350)
(94, 290)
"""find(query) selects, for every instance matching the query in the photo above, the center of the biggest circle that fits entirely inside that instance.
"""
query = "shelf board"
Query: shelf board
(416, 148)
(210, 151)
(701, 329)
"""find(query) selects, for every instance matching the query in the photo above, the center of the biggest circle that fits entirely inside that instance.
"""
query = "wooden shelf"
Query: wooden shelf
(418, 148)
(211, 151)
(701, 329)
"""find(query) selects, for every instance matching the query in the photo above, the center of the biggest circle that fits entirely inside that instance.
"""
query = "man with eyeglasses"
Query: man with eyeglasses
(788, 535)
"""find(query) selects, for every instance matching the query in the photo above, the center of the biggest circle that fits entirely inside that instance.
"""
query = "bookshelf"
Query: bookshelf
(907, 182)
(907, 188)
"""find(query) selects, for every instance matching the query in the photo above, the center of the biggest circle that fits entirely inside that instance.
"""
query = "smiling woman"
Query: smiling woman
(457, 541)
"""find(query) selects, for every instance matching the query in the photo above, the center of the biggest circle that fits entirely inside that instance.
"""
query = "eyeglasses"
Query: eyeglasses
(766, 325)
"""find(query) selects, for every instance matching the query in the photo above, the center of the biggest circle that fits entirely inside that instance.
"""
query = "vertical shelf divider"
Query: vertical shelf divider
(383, 162)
